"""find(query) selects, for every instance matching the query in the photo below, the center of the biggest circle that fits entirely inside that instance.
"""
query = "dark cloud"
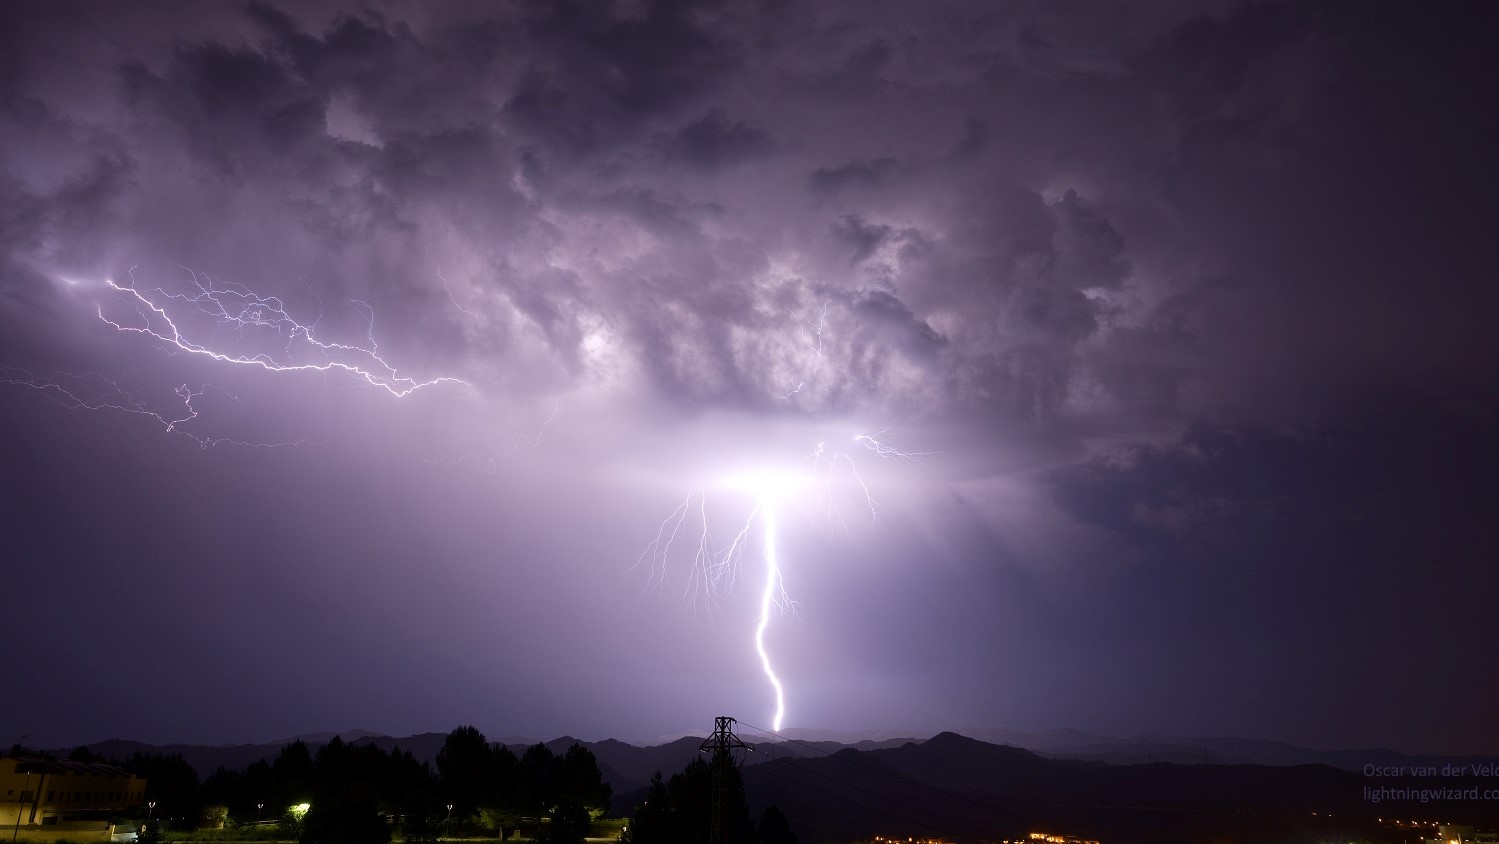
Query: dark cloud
(713, 141)
(552, 116)
(1341, 524)
(595, 70)
(905, 333)
(860, 237)
(975, 139)
(855, 174)
(1090, 250)
(1187, 299)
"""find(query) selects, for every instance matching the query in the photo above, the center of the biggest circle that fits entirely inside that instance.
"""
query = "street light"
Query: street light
(24, 789)
(450, 813)
(258, 807)
(150, 807)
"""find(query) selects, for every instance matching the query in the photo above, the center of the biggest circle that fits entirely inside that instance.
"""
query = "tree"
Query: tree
(680, 811)
(578, 780)
(291, 775)
(774, 828)
(536, 780)
(500, 805)
(691, 800)
(213, 816)
(347, 818)
(243, 790)
(465, 769)
(354, 788)
(170, 781)
(83, 754)
(653, 821)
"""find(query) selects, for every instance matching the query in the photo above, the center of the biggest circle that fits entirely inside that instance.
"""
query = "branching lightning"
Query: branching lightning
(234, 307)
(233, 326)
(448, 290)
(712, 572)
(827, 462)
(775, 588)
(812, 339)
(214, 320)
(813, 335)
(94, 391)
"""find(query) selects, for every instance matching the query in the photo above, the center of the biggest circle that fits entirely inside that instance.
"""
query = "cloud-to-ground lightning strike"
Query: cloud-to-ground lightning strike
(775, 588)
(230, 308)
(713, 572)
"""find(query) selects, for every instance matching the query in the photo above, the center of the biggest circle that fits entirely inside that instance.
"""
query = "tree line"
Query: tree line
(680, 810)
(345, 793)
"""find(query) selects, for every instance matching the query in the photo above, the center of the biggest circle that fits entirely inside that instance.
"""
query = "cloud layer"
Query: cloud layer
(1106, 259)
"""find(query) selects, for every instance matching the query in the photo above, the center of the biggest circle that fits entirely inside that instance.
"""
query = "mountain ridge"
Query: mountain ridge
(961, 787)
(631, 765)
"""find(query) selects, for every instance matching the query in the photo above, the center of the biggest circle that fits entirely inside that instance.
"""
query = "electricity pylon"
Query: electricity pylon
(722, 742)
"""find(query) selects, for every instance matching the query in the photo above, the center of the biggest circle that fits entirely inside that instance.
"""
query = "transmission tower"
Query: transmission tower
(722, 743)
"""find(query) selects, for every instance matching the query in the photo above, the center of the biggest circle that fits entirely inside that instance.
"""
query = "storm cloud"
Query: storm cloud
(1187, 306)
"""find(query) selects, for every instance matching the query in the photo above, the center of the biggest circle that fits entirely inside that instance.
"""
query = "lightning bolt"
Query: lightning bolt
(813, 336)
(774, 587)
(251, 331)
(714, 572)
(233, 307)
(812, 339)
(448, 290)
(828, 462)
(233, 314)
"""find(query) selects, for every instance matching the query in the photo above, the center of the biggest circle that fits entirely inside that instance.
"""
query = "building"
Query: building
(1054, 838)
(1457, 834)
(43, 799)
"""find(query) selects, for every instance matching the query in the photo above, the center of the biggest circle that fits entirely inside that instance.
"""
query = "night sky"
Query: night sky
(1187, 308)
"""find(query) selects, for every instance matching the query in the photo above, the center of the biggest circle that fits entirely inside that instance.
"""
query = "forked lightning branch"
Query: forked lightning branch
(712, 573)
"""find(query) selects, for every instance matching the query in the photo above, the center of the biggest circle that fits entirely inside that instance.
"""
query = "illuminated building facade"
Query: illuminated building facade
(1457, 834)
(43, 795)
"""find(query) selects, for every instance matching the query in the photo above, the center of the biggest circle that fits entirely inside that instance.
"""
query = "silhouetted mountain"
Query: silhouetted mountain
(205, 759)
(1073, 744)
(348, 736)
(635, 766)
(636, 763)
(878, 738)
(955, 786)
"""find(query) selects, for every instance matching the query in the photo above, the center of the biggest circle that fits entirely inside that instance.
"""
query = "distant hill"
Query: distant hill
(625, 767)
(204, 758)
(955, 786)
(1073, 744)
(635, 764)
